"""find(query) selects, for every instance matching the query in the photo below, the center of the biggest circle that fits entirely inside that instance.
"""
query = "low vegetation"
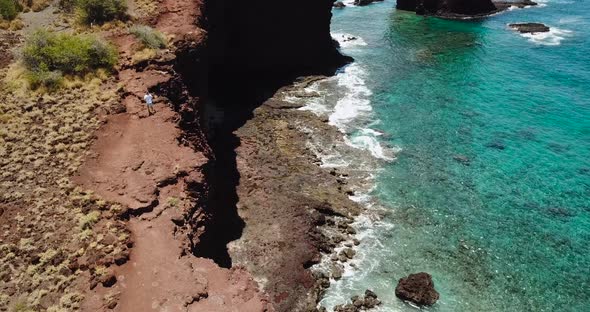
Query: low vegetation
(149, 37)
(49, 56)
(67, 6)
(9, 9)
(101, 11)
(54, 235)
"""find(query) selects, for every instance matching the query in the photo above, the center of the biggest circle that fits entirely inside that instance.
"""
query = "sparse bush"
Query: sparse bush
(8, 9)
(149, 37)
(38, 5)
(101, 11)
(49, 55)
(49, 79)
(67, 6)
(88, 220)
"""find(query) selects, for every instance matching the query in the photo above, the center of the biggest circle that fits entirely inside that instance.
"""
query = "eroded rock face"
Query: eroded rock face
(267, 37)
(417, 288)
(447, 7)
(529, 27)
(365, 2)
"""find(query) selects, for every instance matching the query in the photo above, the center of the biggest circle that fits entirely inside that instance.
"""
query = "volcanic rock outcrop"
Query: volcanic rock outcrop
(365, 2)
(417, 288)
(529, 27)
(263, 37)
(448, 8)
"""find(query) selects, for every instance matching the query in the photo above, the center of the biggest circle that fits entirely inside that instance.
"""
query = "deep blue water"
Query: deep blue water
(491, 190)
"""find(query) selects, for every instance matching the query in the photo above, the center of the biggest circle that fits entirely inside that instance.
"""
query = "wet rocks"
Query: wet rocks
(348, 252)
(359, 303)
(337, 270)
(364, 2)
(503, 5)
(531, 28)
(339, 4)
(417, 288)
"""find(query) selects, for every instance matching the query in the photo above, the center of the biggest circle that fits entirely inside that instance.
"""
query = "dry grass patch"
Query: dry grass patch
(52, 233)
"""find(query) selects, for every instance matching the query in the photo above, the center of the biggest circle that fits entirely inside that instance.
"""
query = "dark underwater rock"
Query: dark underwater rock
(529, 27)
(417, 288)
(462, 159)
(496, 144)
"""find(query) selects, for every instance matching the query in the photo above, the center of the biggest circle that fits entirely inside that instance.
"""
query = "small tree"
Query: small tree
(8, 9)
(101, 11)
(48, 55)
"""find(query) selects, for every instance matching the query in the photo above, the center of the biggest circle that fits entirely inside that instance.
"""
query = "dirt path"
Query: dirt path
(137, 160)
(141, 162)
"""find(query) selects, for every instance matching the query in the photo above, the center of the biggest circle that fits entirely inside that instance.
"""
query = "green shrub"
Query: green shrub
(100, 11)
(149, 37)
(49, 55)
(67, 6)
(8, 9)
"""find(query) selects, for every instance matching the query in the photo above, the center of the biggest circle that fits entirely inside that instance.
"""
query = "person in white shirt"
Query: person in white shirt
(149, 102)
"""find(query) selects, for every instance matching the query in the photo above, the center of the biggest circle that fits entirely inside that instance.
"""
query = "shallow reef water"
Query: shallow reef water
(484, 137)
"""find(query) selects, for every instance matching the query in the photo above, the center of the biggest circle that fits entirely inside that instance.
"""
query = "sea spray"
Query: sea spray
(553, 37)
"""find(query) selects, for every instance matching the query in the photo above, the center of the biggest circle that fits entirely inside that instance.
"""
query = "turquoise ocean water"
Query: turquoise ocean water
(490, 188)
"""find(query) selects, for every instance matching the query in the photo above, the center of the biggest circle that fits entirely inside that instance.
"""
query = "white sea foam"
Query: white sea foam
(316, 106)
(576, 19)
(553, 37)
(540, 4)
(372, 145)
(355, 103)
(348, 40)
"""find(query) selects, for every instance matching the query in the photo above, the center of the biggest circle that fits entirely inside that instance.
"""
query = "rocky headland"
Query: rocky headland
(215, 202)
(459, 9)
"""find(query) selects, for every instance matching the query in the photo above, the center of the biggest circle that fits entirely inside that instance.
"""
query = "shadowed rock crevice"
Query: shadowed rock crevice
(252, 50)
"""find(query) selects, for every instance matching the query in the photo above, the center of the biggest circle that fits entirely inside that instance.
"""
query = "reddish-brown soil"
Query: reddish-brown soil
(137, 160)
(7, 42)
(142, 162)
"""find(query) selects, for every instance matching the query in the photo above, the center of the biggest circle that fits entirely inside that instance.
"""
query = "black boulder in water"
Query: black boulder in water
(530, 27)
(417, 288)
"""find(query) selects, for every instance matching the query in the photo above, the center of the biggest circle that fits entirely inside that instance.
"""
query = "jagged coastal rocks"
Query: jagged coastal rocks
(417, 288)
(448, 7)
(358, 303)
(459, 9)
(340, 4)
(529, 27)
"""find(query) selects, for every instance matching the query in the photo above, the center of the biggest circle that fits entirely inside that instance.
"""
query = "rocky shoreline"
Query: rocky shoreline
(295, 212)
(217, 213)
